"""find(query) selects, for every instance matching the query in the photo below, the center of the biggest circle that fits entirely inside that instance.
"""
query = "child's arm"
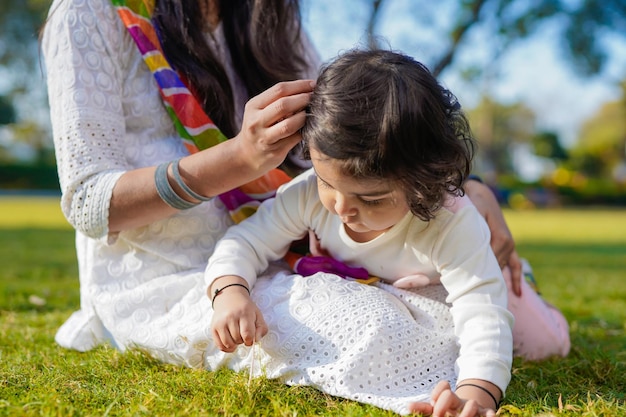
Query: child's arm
(478, 294)
(236, 318)
(243, 253)
(247, 248)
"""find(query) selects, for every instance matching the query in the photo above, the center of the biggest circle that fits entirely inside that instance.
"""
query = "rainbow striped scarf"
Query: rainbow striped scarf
(194, 126)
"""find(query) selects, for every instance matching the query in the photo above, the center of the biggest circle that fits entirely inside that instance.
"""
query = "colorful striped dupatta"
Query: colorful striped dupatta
(198, 132)
(194, 126)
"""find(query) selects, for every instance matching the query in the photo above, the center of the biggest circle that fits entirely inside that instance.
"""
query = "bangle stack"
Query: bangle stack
(167, 193)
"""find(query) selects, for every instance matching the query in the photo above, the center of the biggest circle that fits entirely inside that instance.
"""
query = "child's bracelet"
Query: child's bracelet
(484, 389)
(219, 291)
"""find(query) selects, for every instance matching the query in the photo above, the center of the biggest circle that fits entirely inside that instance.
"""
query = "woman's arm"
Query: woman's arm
(502, 241)
(103, 133)
(271, 125)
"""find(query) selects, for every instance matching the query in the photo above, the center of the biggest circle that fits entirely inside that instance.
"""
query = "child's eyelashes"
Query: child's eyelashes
(323, 184)
(371, 202)
(367, 201)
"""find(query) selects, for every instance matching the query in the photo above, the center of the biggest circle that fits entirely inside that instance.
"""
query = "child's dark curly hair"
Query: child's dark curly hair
(386, 116)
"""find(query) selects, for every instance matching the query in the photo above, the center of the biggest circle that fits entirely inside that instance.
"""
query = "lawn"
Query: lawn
(579, 258)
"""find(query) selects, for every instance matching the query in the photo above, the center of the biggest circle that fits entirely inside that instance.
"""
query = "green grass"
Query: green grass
(579, 258)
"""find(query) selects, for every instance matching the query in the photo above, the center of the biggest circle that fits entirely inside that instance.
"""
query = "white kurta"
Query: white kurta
(107, 118)
(146, 288)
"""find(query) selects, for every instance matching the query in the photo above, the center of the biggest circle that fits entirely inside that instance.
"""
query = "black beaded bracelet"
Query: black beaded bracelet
(218, 291)
(497, 404)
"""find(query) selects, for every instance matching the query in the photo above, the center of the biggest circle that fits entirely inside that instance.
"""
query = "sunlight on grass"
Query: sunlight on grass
(578, 257)
(568, 225)
(44, 212)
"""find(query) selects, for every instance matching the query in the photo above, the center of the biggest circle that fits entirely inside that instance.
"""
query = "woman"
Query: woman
(111, 129)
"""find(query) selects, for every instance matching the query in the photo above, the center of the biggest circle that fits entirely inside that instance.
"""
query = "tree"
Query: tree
(21, 72)
(585, 32)
(7, 111)
(601, 145)
(584, 26)
(498, 128)
(20, 21)
(547, 145)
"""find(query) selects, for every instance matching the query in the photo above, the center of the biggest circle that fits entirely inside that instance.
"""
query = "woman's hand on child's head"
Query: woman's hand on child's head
(446, 403)
(236, 318)
(272, 122)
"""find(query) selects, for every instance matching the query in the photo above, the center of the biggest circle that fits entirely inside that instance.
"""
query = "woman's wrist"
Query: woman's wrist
(216, 170)
(180, 185)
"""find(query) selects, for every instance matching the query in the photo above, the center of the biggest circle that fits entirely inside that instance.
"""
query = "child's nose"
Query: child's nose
(343, 207)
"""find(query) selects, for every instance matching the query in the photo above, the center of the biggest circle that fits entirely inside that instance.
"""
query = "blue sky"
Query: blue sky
(532, 71)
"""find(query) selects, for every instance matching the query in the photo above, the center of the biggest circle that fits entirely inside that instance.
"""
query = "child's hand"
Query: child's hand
(446, 403)
(236, 319)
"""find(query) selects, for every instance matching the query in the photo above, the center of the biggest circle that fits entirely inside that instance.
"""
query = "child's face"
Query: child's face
(368, 208)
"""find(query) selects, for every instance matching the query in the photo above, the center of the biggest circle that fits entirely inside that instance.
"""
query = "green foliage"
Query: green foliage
(593, 191)
(497, 127)
(20, 21)
(7, 111)
(577, 258)
(601, 145)
(587, 21)
(36, 177)
(547, 144)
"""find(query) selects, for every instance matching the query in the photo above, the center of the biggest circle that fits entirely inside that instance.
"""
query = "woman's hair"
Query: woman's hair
(386, 117)
(263, 38)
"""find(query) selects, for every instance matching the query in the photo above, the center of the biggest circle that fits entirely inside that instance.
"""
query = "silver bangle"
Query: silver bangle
(166, 192)
(185, 187)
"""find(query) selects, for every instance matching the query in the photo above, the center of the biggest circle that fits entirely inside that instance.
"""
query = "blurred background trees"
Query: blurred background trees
(26, 155)
(593, 169)
(466, 39)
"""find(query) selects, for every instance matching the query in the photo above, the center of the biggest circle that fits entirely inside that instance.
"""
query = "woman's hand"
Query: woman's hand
(236, 318)
(272, 122)
(446, 403)
(502, 241)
